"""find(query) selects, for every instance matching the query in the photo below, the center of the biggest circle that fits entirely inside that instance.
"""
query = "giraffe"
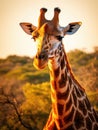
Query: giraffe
(71, 109)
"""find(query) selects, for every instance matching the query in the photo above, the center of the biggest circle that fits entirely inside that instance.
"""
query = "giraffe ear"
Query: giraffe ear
(72, 28)
(28, 27)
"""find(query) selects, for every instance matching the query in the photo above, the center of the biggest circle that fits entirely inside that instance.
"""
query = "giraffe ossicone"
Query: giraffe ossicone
(71, 109)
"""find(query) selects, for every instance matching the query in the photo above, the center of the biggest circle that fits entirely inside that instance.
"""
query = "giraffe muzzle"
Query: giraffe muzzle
(40, 60)
(42, 56)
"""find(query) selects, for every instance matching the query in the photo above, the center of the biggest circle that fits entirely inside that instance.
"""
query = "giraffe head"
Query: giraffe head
(48, 35)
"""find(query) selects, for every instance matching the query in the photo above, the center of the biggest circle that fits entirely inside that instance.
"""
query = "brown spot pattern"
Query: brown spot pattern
(62, 63)
(69, 104)
(70, 128)
(91, 117)
(69, 117)
(88, 124)
(96, 115)
(82, 107)
(88, 104)
(60, 108)
(96, 127)
(79, 120)
(63, 95)
(78, 93)
(56, 72)
(62, 81)
(74, 99)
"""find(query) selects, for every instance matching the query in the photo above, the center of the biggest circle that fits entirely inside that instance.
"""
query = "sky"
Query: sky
(14, 41)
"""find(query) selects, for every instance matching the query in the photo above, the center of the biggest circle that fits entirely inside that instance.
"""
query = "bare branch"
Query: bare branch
(6, 99)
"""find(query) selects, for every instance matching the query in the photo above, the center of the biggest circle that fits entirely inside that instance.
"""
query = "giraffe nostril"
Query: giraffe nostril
(41, 56)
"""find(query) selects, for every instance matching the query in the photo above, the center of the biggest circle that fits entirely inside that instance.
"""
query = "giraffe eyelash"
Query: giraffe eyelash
(59, 38)
(34, 38)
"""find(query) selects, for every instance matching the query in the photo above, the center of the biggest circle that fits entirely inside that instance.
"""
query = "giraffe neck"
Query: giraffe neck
(61, 76)
(66, 93)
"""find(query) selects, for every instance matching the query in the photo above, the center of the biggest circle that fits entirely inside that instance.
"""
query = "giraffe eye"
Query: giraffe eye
(59, 37)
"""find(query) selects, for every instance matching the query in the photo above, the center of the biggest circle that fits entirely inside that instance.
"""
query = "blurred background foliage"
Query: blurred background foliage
(25, 100)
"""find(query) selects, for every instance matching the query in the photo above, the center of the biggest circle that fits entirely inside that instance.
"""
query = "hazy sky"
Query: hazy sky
(14, 41)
